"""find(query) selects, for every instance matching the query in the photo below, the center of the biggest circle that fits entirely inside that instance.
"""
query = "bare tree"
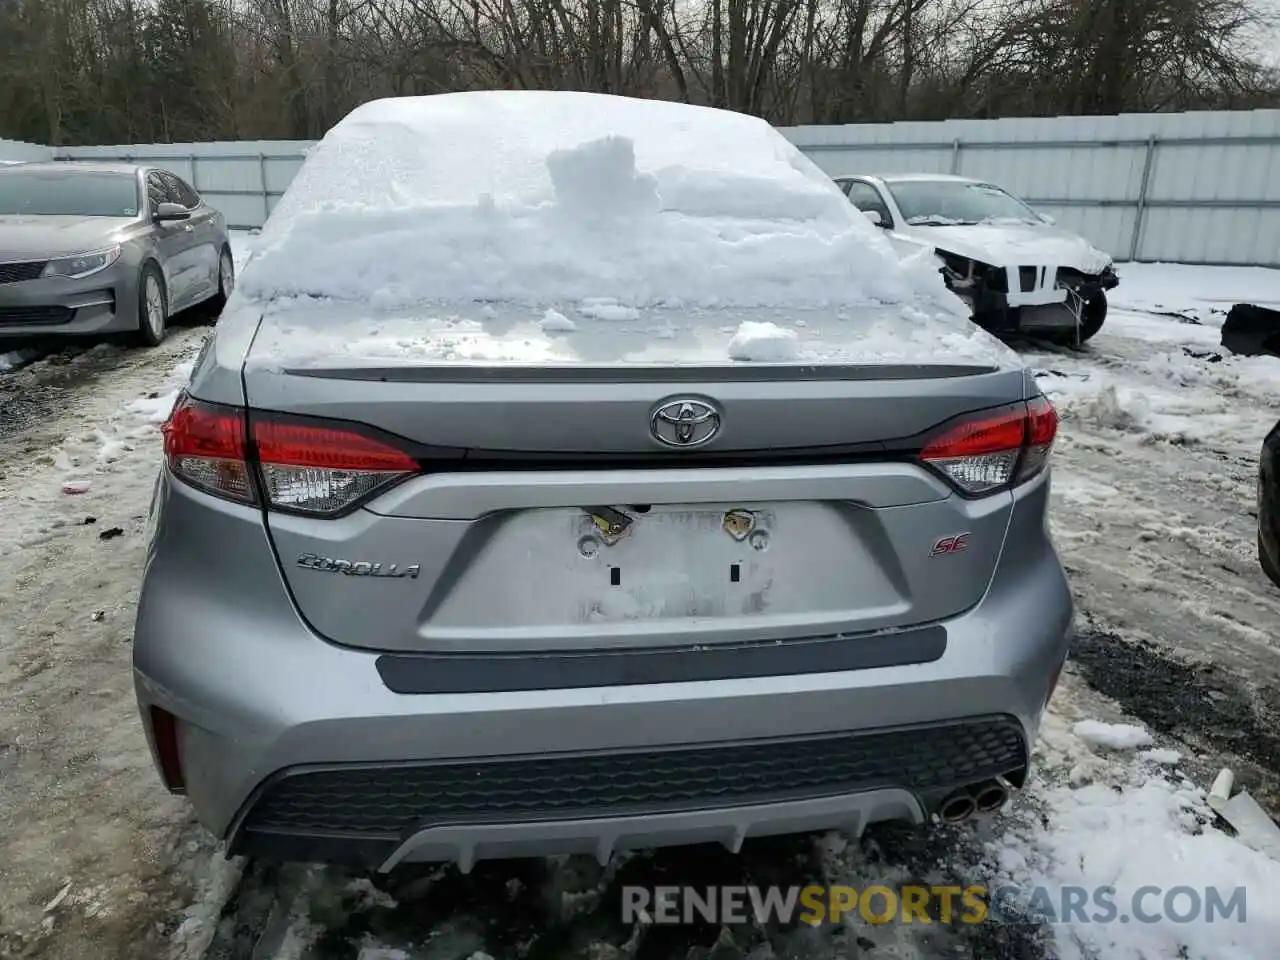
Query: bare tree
(141, 70)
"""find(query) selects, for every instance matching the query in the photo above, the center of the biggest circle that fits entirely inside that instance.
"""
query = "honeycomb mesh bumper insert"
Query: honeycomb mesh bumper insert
(388, 801)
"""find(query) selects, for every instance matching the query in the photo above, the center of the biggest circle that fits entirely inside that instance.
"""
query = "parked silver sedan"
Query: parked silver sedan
(93, 248)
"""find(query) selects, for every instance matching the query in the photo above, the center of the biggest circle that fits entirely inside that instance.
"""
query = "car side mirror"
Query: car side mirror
(1048, 219)
(874, 217)
(170, 211)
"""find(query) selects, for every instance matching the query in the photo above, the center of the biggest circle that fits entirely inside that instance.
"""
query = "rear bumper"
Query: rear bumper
(295, 747)
(106, 302)
(378, 815)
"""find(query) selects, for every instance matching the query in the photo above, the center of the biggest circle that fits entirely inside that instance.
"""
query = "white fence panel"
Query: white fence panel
(1191, 187)
(17, 150)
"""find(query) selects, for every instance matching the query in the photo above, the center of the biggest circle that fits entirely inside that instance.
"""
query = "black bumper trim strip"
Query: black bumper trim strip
(443, 673)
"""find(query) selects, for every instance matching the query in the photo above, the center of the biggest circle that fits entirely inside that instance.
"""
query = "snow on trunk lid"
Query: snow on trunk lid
(458, 221)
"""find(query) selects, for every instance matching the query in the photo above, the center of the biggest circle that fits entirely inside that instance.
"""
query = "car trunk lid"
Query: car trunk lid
(546, 515)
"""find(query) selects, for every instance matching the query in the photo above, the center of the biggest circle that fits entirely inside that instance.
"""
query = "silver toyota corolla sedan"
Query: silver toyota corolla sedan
(571, 473)
(92, 248)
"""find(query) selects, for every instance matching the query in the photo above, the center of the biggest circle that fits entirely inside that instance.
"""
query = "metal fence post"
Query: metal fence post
(955, 156)
(262, 176)
(1136, 237)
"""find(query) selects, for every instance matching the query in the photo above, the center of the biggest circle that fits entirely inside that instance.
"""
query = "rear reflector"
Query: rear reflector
(164, 731)
(986, 452)
(314, 467)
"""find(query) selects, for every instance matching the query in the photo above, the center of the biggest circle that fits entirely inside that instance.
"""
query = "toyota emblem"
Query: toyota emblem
(684, 422)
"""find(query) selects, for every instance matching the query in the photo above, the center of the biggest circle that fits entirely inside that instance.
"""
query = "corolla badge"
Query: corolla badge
(358, 568)
(684, 422)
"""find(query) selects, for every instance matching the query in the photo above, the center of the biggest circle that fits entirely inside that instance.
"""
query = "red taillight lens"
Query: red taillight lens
(204, 445)
(305, 466)
(982, 454)
(322, 469)
(1042, 428)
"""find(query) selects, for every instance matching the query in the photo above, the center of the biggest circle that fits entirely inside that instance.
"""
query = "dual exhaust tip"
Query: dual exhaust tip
(979, 799)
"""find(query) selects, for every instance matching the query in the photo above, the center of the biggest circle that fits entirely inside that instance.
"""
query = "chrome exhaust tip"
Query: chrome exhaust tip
(957, 807)
(989, 797)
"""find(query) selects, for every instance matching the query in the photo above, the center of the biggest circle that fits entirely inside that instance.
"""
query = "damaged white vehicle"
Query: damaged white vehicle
(1017, 271)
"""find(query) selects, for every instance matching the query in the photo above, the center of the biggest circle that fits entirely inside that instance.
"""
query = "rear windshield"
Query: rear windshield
(55, 193)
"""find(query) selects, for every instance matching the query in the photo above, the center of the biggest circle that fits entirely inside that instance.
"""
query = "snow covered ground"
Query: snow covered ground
(1176, 674)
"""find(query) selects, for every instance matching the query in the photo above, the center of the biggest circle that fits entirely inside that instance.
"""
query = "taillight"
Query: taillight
(993, 450)
(1042, 427)
(313, 467)
(322, 469)
(204, 445)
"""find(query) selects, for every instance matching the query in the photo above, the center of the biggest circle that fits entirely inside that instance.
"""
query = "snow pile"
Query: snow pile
(553, 321)
(1114, 736)
(301, 333)
(540, 197)
(607, 308)
(16, 358)
(1126, 832)
(1157, 368)
(765, 342)
(1150, 833)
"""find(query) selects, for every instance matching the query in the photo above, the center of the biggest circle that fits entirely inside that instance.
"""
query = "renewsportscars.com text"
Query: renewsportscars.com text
(975, 903)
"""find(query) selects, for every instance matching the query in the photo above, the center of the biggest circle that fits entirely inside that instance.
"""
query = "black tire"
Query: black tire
(1091, 320)
(152, 328)
(1268, 566)
(1093, 316)
(226, 268)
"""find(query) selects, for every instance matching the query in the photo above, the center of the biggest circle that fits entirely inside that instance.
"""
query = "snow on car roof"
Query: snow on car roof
(544, 197)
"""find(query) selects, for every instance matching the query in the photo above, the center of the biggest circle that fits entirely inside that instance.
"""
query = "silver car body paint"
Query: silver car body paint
(582, 637)
(185, 251)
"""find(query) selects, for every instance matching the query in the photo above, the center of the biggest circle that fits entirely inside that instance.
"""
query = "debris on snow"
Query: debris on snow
(553, 321)
(763, 342)
(1252, 824)
(1252, 330)
(111, 533)
(1220, 792)
(56, 902)
(1112, 736)
(76, 486)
